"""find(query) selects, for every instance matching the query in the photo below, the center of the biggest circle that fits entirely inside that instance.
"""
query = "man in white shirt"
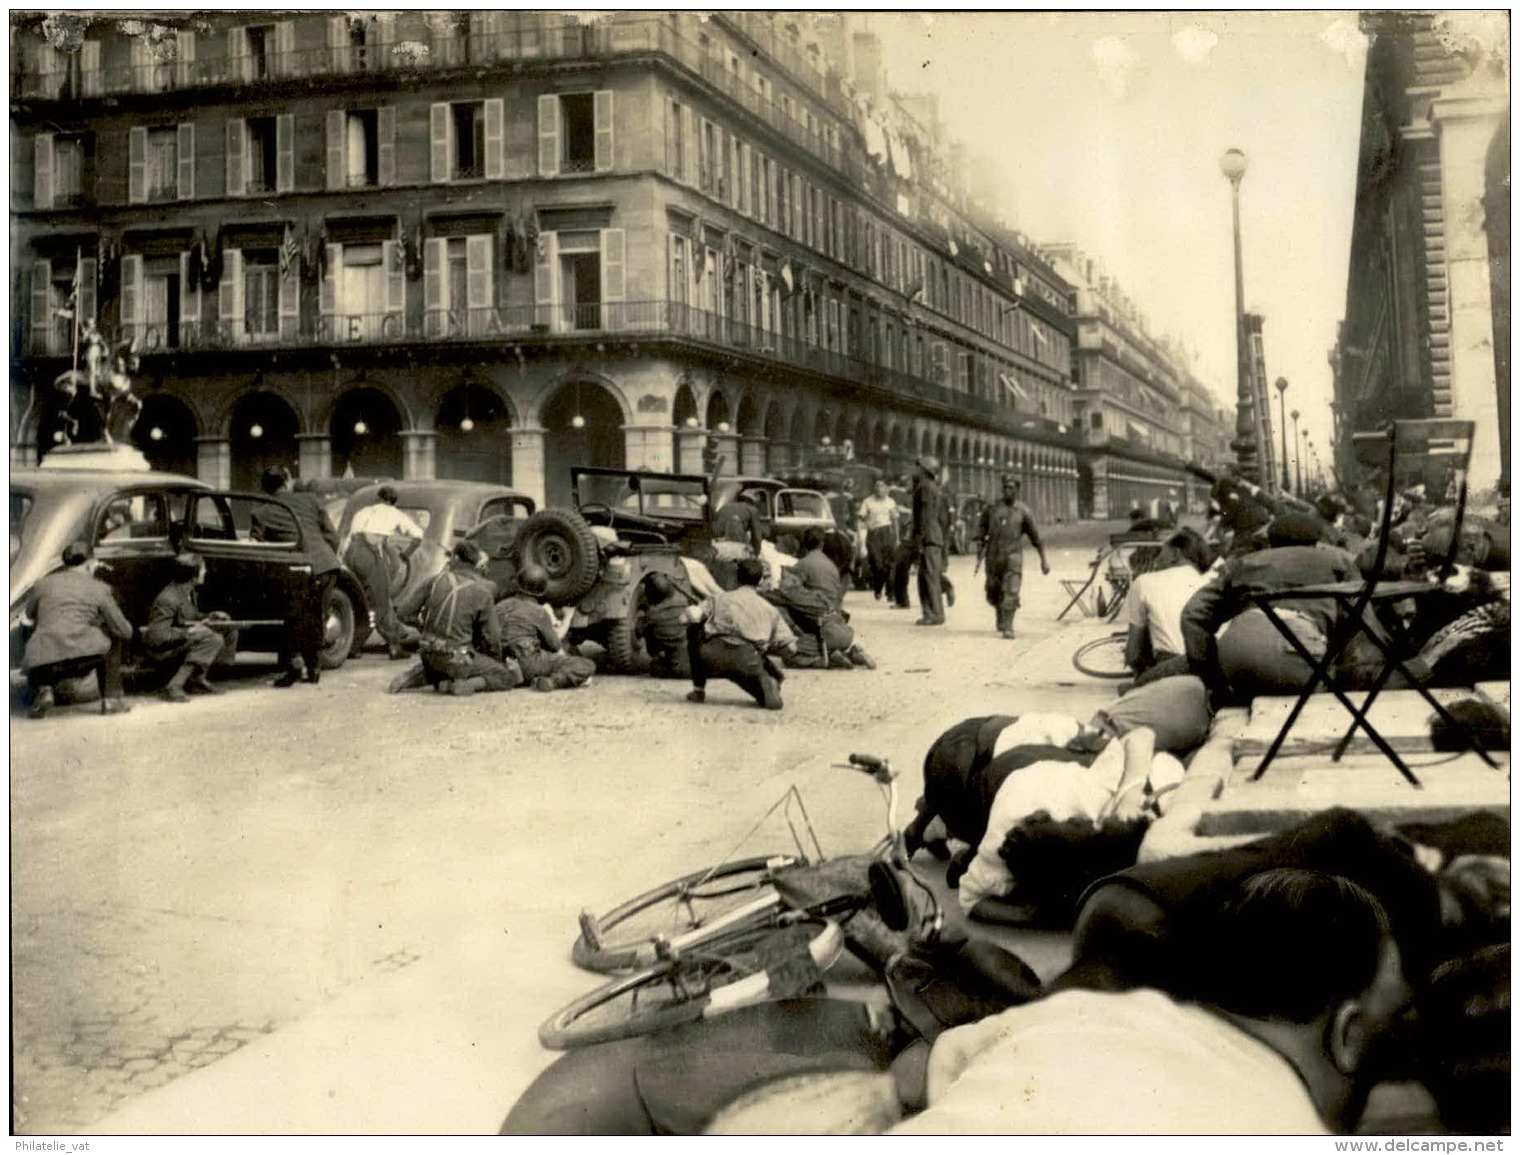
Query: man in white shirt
(734, 636)
(878, 529)
(1156, 599)
(1302, 986)
(378, 534)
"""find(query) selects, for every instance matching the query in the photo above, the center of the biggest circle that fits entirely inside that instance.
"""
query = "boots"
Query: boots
(42, 703)
(408, 679)
(464, 687)
(197, 682)
(859, 657)
(175, 690)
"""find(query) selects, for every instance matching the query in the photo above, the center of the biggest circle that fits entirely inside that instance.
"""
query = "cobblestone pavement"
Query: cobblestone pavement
(190, 879)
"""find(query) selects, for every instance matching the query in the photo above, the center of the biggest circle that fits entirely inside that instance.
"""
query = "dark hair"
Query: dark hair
(1486, 723)
(751, 571)
(1290, 945)
(1293, 528)
(1053, 862)
(1464, 1022)
(467, 552)
(387, 494)
(1189, 544)
(187, 566)
(812, 538)
(274, 479)
(76, 553)
(660, 588)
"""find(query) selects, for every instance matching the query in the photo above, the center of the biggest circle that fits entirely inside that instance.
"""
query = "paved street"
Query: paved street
(280, 875)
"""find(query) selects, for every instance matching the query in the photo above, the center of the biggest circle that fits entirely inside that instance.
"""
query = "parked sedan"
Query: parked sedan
(448, 512)
(136, 521)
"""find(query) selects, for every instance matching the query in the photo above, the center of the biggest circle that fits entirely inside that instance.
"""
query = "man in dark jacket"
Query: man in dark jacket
(307, 520)
(76, 627)
(178, 633)
(461, 647)
(1001, 547)
(929, 540)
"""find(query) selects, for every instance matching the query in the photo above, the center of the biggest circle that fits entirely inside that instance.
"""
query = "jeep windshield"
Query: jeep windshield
(651, 496)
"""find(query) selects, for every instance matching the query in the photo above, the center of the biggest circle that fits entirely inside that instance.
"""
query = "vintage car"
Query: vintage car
(448, 511)
(137, 520)
(787, 512)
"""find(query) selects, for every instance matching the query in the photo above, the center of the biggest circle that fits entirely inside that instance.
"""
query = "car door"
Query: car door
(249, 579)
(134, 544)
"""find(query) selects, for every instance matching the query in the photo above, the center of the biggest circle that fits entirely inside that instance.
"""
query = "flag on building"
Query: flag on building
(787, 278)
(1012, 385)
(290, 252)
(916, 294)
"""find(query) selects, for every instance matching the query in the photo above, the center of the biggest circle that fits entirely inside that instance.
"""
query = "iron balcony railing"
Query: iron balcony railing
(820, 354)
(617, 36)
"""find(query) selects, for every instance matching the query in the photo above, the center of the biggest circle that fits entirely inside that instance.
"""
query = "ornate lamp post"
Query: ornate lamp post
(1282, 405)
(1298, 457)
(1233, 165)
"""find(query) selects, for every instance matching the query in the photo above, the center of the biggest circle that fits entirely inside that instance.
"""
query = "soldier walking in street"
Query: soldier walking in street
(532, 637)
(929, 541)
(1002, 551)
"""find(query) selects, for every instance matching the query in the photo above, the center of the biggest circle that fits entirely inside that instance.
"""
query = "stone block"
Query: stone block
(1402, 717)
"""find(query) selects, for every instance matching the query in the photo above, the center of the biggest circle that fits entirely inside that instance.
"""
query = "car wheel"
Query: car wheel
(562, 543)
(625, 637)
(337, 628)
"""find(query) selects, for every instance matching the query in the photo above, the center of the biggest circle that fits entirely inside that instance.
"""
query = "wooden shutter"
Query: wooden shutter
(237, 54)
(613, 278)
(337, 43)
(185, 155)
(337, 148)
(285, 152)
(495, 131)
(286, 62)
(290, 301)
(42, 303)
(89, 67)
(42, 170)
(548, 135)
(131, 292)
(442, 138)
(229, 303)
(690, 146)
(137, 165)
(545, 277)
(237, 165)
(386, 130)
(85, 303)
(432, 275)
(327, 297)
(477, 258)
(189, 305)
(672, 133)
(602, 118)
(184, 58)
(395, 284)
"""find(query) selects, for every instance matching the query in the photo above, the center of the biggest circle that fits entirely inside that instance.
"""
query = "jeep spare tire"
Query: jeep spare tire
(562, 543)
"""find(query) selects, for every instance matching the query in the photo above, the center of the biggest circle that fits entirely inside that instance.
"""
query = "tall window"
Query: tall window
(578, 122)
(469, 140)
(362, 148)
(261, 293)
(160, 305)
(260, 50)
(161, 162)
(262, 156)
(458, 285)
(466, 140)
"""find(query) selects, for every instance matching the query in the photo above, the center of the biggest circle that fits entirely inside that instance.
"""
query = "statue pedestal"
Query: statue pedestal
(98, 456)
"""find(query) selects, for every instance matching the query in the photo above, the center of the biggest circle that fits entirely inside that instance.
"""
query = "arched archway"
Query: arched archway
(583, 425)
(366, 435)
(717, 410)
(474, 435)
(777, 453)
(165, 433)
(748, 420)
(685, 406)
(261, 435)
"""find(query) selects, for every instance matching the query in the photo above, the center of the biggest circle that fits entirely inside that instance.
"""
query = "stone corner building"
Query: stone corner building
(493, 245)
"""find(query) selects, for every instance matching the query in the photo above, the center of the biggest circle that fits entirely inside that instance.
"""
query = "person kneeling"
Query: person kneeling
(534, 639)
(460, 633)
(735, 635)
(178, 634)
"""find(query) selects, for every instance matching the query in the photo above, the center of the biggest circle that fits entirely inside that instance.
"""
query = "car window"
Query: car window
(504, 507)
(211, 519)
(234, 517)
(797, 503)
(134, 517)
(418, 513)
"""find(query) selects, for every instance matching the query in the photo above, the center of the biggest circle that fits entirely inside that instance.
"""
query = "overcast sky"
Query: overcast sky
(1107, 130)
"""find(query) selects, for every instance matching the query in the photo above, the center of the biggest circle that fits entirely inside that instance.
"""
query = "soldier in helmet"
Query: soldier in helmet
(532, 636)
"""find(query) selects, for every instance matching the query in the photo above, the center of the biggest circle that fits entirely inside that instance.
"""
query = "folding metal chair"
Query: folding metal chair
(1354, 600)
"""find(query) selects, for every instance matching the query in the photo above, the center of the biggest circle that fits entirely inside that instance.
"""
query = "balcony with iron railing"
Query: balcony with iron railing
(527, 324)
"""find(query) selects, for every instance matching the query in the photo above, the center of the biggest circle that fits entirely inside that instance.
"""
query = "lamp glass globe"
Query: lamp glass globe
(256, 431)
(156, 434)
(466, 425)
(577, 422)
(360, 427)
(1233, 164)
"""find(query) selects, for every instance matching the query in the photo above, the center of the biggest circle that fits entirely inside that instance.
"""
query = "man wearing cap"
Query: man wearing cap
(300, 518)
(76, 627)
(535, 640)
(740, 522)
(376, 533)
(461, 637)
(1001, 548)
(929, 540)
(178, 634)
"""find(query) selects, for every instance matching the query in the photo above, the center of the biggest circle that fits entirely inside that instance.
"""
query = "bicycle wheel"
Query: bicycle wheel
(746, 967)
(678, 915)
(1102, 657)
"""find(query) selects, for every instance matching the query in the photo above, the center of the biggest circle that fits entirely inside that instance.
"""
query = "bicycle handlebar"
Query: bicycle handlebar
(877, 768)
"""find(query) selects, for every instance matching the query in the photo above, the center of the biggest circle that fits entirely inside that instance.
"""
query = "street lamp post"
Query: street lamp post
(1233, 165)
(1282, 404)
(1298, 457)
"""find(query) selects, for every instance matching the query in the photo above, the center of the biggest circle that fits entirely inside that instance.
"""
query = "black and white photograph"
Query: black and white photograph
(752, 572)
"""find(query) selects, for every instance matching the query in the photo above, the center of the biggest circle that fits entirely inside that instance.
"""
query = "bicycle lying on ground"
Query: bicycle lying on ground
(748, 929)
(1103, 657)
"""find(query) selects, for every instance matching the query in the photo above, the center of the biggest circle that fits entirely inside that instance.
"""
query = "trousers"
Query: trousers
(107, 668)
(738, 661)
(374, 573)
(931, 575)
